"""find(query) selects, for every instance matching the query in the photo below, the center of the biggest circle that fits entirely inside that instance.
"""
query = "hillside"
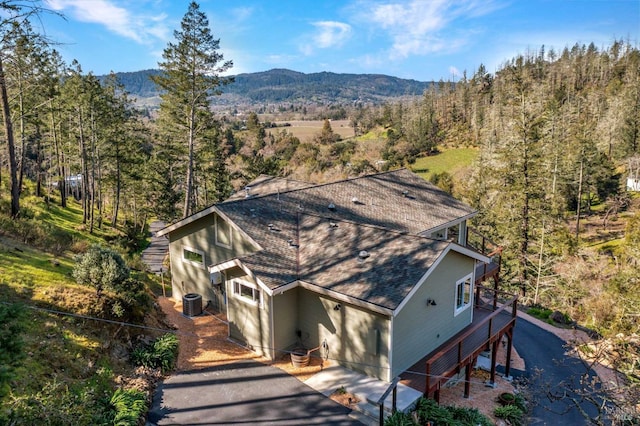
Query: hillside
(286, 86)
(67, 355)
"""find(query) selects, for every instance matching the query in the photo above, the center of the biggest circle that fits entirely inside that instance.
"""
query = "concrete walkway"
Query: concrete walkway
(154, 255)
(367, 389)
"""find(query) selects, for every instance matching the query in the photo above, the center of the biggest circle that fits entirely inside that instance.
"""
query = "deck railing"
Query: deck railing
(463, 350)
(483, 245)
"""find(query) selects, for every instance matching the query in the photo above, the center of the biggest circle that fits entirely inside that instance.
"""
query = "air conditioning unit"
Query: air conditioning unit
(191, 304)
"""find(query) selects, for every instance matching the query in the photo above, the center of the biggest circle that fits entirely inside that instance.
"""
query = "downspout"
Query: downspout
(390, 349)
(297, 247)
(272, 351)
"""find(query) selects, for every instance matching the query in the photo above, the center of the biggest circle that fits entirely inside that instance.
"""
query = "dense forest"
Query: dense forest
(556, 134)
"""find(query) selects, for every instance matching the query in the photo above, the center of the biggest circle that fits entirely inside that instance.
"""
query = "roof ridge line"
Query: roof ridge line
(373, 226)
(313, 185)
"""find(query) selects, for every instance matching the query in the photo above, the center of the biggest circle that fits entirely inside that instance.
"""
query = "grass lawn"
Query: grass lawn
(450, 161)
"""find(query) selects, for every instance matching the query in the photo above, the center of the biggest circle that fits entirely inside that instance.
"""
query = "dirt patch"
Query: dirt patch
(316, 364)
(343, 397)
(482, 396)
(203, 339)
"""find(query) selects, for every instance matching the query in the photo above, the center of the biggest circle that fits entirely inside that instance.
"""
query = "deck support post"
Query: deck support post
(494, 349)
(507, 367)
(467, 379)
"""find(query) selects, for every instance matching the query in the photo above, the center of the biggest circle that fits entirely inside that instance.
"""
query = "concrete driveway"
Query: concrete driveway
(243, 392)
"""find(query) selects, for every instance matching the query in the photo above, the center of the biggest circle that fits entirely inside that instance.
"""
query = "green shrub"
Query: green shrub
(11, 343)
(101, 268)
(129, 405)
(429, 411)
(539, 312)
(443, 181)
(469, 416)
(510, 413)
(399, 419)
(161, 353)
(57, 404)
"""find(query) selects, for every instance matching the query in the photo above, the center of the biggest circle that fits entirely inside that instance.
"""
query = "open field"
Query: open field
(306, 130)
(451, 161)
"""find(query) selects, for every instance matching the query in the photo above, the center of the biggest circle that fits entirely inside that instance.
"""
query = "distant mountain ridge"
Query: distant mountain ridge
(278, 86)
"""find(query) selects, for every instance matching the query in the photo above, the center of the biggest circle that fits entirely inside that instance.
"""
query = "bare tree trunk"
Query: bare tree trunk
(39, 161)
(85, 170)
(23, 148)
(8, 132)
(62, 182)
(118, 189)
(579, 198)
(92, 187)
(188, 198)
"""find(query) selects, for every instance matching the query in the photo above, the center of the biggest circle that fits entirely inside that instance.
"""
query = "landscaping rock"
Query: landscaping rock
(558, 317)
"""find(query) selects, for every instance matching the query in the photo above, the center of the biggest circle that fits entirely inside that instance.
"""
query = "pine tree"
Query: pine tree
(190, 75)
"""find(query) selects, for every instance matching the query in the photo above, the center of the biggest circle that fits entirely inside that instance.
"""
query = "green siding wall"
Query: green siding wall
(418, 329)
(285, 319)
(356, 338)
(248, 323)
(200, 235)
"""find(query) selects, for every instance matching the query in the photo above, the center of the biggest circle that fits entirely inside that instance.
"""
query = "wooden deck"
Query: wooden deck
(490, 323)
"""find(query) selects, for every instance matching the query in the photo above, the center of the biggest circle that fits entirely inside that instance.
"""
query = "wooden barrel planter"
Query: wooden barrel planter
(300, 356)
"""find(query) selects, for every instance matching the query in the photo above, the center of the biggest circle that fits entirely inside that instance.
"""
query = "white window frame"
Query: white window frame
(255, 300)
(193, 262)
(460, 286)
(230, 230)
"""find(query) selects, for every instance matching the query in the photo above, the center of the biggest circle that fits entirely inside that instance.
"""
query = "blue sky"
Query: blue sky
(418, 39)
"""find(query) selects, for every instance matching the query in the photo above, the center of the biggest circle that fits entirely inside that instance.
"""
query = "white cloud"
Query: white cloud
(116, 19)
(419, 27)
(331, 33)
(328, 34)
(455, 72)
(242, 13)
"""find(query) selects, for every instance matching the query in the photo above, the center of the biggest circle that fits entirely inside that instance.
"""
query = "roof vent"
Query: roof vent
(331, 206)
(273, 228)
(247, 191)
(405, 193)
(355, 200)
(332, 225)
(292, 243)
(363, 255)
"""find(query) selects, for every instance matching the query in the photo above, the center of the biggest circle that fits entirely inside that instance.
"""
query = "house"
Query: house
(375, 270)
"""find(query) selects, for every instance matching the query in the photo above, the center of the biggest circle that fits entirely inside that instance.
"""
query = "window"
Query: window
(247, 292)
(223, 233)
(193, 256)
(464, 289)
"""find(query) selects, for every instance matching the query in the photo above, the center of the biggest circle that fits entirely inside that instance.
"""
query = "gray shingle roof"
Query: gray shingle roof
(266, 185)
(303, 239)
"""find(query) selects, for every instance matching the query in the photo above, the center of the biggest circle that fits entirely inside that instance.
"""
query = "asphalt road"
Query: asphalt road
(553, 377)
(244, 392)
